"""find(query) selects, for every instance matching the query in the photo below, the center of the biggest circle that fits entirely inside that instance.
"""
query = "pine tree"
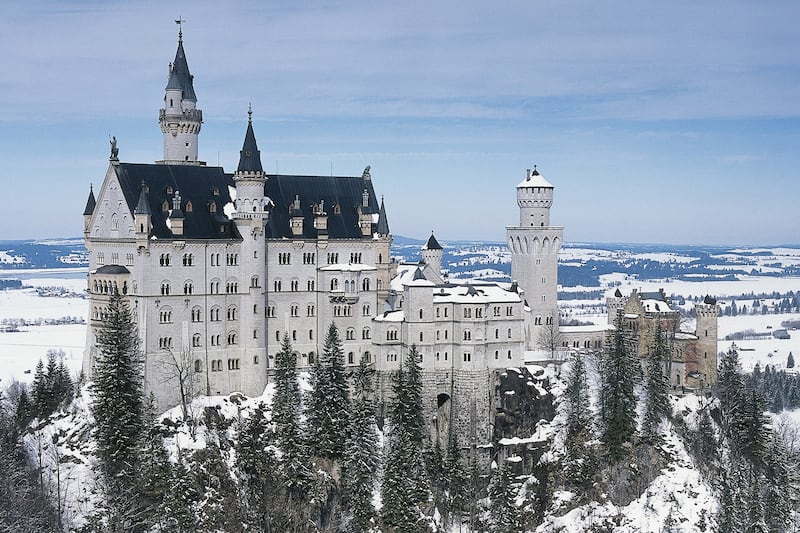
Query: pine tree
(117, 405)
(154, 473)
(750, 428)
(503, 511)
(618, 403)
(286, 411)
(579, 419)
(63, 386)
(180, 501)
(39, 391)
(51, 384)
(790, 361)
(328, 403)
(263, 490)
(778, 501)
(405, 484)
(24, 411)
(657, 406)
(456, 480)
(360, 465)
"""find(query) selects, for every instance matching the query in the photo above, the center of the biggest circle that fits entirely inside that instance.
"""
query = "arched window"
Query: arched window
(188, 287)
(294, 310)
(195, 314)
(365, 333)
(165, 288)
(254, 281)
(214, 314)
(196, 340)
(365, 310)
(198, 365)
(365, 284)
(232, 314)
(334, 284)
(232, 338)
(350, 334)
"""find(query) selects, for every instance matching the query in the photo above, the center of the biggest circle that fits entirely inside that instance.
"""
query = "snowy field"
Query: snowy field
(20, 350)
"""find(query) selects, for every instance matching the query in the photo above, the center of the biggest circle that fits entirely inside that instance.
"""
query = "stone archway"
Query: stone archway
(443, 405)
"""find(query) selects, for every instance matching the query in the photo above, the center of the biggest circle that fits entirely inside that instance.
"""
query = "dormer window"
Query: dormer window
(212, 208)
(189, 206)
(337, 209)
(215, 191)
(169, 190)
(165, 207)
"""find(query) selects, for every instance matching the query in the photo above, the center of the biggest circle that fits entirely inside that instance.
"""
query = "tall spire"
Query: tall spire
(250, 155)
(180, 120)
(179, 76)
(383, 222)
(90, 202)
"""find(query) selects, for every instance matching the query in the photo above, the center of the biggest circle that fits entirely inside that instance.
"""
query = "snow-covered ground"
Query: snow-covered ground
(20, 350)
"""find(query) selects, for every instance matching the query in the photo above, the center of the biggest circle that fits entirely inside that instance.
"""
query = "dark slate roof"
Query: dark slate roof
(112, 269)
(659, 295)
(383, 222)
(180, 77)
(196, 184)
(344, 192)
(143, 205)
(90, 203)
(432, 243)
(250, 155)
(708, 300)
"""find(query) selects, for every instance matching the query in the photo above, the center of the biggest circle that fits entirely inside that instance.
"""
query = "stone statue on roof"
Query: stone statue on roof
(114, 149)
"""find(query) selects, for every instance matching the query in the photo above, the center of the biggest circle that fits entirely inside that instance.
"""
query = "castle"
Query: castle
(217, 267)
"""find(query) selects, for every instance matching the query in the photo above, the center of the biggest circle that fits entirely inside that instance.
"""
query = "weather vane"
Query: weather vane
(179, 21)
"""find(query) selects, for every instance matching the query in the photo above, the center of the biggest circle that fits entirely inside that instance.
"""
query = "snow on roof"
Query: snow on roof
(535, 180)
(586, 328)
(656, 306)
(683, 335)
(631, 315)
(390, 316)
(348, 267)
(229, 209)
(474, 293)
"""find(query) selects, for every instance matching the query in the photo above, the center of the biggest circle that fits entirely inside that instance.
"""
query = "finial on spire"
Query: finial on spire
(249, 112)
(179, 21)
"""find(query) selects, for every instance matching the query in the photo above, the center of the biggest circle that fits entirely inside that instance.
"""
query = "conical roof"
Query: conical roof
(90, 203)
(250, 155)
(180, 77)
(383, 222)
(143, 205)
(432, 244)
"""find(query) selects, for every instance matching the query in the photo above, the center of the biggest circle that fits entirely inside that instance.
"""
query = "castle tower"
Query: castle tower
(251, 218)
(88, 210)
(180, 120)
(432, 254)
(534, 246)
(706, 352)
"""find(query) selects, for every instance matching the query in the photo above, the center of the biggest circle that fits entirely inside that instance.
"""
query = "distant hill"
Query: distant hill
(44, 253)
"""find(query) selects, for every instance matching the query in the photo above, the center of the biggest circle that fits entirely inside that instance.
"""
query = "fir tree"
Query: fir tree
(262, 489)
(618, 403)
(790, 361)
(328, 403)
(154, 473)
(456, 480)
(286, 410)
(39, 391)
(579, 419)
(25, 410)
(657, 405)
(117, 404)
(778, 501)
(52, 385)
(180, 501)
(360, 465)
(405, 483)
(63, 386)
(503, 511)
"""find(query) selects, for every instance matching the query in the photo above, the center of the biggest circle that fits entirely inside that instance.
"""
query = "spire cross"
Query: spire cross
(179, 21)
(249, 112)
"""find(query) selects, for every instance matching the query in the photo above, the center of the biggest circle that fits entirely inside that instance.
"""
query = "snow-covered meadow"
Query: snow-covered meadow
(20, 350)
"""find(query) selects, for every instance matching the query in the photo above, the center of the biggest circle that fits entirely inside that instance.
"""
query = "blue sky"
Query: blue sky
(656, 121)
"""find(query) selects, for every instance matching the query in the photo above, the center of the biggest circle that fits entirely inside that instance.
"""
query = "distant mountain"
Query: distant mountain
(44, 253)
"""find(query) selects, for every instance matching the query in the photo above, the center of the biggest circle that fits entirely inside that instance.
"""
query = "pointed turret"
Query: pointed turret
(89, 210)
(250, 180)
(250, 155)
(142, 217)
(432, 254)
(180, 120)
(383, 222)
(179, 76)
(90, 202)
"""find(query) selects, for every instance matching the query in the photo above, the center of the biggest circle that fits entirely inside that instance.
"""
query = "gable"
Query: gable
(112, 217)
